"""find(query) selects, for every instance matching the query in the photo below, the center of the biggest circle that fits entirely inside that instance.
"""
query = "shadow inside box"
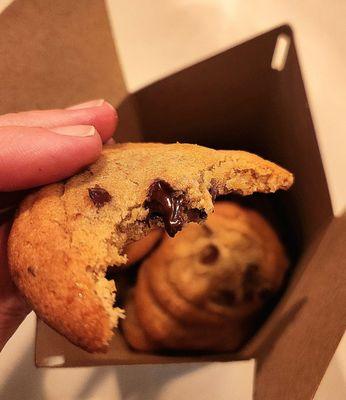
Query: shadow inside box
(268, 344)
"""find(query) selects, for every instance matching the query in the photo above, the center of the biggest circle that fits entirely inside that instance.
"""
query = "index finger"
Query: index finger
(97, 113)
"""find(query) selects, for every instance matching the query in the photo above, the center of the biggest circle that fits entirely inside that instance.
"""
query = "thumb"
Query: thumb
(32, 156)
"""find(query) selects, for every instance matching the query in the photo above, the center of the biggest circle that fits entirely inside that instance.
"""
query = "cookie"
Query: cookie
(133, 332)
(169, 333)
(65, 235)
(235, 264)
(155, 270)
(137, 250)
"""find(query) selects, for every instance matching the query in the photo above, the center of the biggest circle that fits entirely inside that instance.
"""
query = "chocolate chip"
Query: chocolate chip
(249, 295)
(169, 205)
(209, 254)
(195, 215)
(251, 275)
(265, 294)
(99, 196)
(225, 297)
(32, 271)
(251, 281)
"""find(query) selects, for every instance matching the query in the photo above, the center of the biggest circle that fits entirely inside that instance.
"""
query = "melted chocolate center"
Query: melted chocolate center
(166, 203)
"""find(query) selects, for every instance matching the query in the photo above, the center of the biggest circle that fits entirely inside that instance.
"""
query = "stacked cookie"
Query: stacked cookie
(204, 289)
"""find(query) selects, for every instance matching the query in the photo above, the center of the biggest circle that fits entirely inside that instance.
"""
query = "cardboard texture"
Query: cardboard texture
(232, 100)
(55, 54)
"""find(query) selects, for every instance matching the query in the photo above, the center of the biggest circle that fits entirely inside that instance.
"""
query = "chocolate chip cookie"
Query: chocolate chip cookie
(133, 331)
(66, 235)
(167, 332)
(236, 262)
(204, 289)
(135, 251)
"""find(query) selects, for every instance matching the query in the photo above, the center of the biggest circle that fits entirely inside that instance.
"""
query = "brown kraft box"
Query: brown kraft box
(234, 100)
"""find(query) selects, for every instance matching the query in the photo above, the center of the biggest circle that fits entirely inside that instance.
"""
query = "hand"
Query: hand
(36, 148)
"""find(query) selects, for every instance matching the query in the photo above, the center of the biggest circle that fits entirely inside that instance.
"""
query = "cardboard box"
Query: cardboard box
(239, 99)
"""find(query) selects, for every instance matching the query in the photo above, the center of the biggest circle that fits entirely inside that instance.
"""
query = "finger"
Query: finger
(97, 113)
(31, 157)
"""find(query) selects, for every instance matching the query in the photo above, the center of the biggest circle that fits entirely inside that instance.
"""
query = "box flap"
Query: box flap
(57, 53)
(53, 350)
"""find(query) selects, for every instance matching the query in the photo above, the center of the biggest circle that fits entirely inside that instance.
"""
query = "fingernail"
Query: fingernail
(87, 104)
(75, 130)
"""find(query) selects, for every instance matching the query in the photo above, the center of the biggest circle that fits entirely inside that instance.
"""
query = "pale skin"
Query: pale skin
(37, 148)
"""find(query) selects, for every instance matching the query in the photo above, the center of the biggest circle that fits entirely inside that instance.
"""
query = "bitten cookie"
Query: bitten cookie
(65, 235)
